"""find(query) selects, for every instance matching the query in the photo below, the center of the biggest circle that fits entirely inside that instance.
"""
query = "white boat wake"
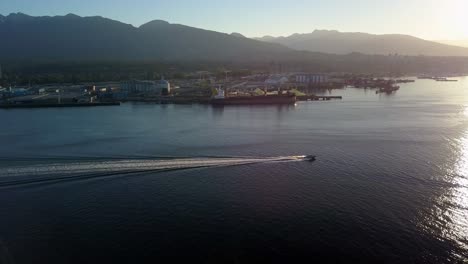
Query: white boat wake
(89, 169)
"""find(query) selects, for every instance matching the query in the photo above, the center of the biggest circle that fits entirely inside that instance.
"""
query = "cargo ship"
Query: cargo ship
(280, 99)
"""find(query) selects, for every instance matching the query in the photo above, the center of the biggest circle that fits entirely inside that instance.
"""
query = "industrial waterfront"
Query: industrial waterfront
(389, 183)
(197, 87)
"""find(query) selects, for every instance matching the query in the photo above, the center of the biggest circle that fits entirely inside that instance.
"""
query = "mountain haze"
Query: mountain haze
(344, 43)
(460, 43)
(72, 37)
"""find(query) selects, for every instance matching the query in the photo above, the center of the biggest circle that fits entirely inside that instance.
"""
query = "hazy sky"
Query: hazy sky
(430, 19)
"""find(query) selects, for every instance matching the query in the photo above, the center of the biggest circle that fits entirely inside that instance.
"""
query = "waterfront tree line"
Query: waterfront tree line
(41, 72)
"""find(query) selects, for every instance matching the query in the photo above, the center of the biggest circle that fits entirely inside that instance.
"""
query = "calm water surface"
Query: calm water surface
(144, 182)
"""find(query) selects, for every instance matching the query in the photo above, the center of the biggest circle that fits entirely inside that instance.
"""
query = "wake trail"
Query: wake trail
(37, 173)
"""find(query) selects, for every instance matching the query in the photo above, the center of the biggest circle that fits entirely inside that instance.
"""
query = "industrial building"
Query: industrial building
(146, 87)
(276, 80)
(310, 78)
(165, 86)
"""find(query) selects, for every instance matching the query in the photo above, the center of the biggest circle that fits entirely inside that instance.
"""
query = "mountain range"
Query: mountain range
(72, 37)
(332, 41)
(75, 38)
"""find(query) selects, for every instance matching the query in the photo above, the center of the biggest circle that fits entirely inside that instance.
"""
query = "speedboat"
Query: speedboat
(310, 158)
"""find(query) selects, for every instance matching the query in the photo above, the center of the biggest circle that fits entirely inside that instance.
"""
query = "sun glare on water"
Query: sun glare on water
(459, 214)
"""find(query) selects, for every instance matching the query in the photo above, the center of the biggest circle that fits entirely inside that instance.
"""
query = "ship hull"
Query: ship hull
(256, 100)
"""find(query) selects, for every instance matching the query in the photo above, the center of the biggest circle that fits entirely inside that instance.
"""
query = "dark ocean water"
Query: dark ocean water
(145, 183)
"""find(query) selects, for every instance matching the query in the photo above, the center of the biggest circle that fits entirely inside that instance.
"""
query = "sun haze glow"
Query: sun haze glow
(453, 17)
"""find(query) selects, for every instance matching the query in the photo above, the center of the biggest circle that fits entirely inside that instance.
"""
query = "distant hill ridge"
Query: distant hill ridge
(332, 41)
(72, 37)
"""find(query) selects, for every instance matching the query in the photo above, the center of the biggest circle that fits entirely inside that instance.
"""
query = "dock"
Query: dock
(318, 98)
(38, 105)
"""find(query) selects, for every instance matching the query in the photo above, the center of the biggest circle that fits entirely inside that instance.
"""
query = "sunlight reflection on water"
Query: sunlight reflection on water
(459, 211)
(452, 210)
(450, 214)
